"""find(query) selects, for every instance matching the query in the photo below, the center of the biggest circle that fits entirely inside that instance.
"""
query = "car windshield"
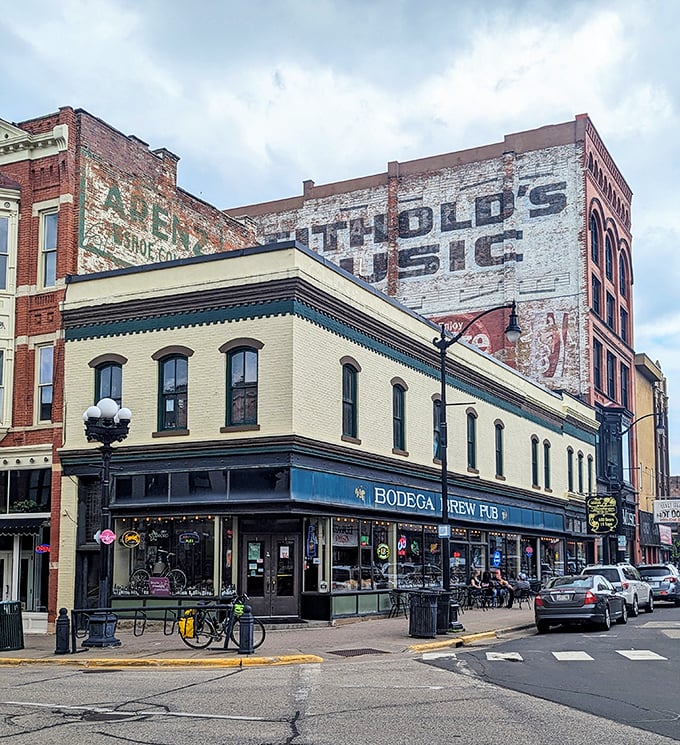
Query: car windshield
(580, 581)
(611, 574)
(653, 571)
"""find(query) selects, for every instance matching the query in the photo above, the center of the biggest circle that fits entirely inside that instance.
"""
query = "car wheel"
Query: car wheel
(649, 608)
(607, 622)
(635, 608)
(624, 614)
(542, 627)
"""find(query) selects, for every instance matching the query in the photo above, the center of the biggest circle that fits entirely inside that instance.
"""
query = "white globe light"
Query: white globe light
(93, 412)
(124, 414)
(108, 408)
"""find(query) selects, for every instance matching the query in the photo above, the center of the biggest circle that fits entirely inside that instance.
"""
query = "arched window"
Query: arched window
(242, 386)
(570, 469)
(590, 474)
(595, 239)
(608, 258)
(534, 461)
(546, 465)
(437, 429)
(398, 417)
(472, 440)
(349, 400)
(173, 383)
(108, 382)
(623, 275)
(579, 473)
(498, 446)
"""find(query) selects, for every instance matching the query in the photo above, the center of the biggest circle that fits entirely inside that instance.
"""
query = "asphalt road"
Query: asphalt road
(629, 675)
(385, 699)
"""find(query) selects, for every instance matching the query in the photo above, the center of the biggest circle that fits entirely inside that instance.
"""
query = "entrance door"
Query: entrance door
(269, 573)
(6, 575)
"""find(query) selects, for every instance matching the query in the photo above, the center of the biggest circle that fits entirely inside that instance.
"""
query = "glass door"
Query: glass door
(6, 575)
(270, 573)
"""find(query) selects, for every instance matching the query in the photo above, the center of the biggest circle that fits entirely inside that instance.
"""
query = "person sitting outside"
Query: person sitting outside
(488, 589)
(507, 591)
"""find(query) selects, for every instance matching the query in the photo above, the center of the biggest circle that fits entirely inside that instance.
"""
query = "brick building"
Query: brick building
(76, 196)
(543, 218)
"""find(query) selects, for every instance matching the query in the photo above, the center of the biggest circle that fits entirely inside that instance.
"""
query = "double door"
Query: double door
(270, 570)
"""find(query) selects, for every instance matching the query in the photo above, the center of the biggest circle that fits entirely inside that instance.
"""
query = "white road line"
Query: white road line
(571, 656)
(640, 654)
(508, 656)
(439, 655)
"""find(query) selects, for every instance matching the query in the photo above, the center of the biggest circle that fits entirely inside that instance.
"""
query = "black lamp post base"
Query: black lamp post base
(102, 628)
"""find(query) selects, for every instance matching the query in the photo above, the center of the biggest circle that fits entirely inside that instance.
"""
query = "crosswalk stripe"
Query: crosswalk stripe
(571, 656)
(640, 654)
(510, 656)
(439, 655)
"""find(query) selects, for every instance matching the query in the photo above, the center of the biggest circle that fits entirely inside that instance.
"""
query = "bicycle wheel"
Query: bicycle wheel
(139, 582)
(259, 633)
(177, 580)
(203, 632)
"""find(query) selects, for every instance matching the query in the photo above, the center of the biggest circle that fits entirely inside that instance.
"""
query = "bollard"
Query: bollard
(63, 632)
(245, 631)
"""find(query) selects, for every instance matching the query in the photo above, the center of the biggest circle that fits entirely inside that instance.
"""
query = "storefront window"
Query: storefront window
(354, 567)
(228, 575)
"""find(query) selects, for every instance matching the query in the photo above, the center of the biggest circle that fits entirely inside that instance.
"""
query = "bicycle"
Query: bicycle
(139, 579)
(200, 627)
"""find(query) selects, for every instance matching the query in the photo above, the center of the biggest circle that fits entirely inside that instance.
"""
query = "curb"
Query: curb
(460, 641)
(296, 659)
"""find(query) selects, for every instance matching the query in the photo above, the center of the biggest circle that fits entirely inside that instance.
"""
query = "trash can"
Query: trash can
(443, 611)
(422, 620)
(11, 627)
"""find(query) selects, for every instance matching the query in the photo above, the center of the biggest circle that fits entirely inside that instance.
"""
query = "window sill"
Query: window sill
(473, 470)
(241, 428)
(499, 477)
(353, 440)
(171, 433)
(398, 451)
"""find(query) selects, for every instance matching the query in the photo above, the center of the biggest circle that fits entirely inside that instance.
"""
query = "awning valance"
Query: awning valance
(22, 525)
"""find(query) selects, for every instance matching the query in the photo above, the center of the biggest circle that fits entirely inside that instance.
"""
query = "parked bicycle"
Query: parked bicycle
(139, 581)
(200, 627)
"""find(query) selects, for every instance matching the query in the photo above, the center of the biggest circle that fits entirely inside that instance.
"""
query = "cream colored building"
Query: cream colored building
(284, 440)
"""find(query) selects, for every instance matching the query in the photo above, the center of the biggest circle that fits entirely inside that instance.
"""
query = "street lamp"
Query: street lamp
(512, 334)
(105, 423)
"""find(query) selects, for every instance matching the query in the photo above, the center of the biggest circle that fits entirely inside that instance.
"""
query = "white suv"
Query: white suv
(626, 580)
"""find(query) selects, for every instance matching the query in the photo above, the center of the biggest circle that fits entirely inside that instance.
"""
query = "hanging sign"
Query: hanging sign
(130, 539)
(602, 514)
(107, 537)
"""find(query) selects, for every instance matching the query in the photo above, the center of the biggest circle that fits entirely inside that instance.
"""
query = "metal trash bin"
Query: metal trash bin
(443, 611)
(422, 619)
(11, 626)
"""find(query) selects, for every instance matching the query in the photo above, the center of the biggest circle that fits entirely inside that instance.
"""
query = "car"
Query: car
(664, 579)
(627, 580)
(579, 598)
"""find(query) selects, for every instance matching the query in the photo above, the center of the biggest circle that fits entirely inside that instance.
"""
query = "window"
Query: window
(546, 465)
(108, 382)
(4, 251)
(242, 387)
(173, 386)
(579, 473)
(570, 469)
(597, 364)
(623, 276)
(611, 375)
(625, 376)
(45, 381)
(2, 386)
(498, 442)
(608, 258)
(437, 429)
(349, 401)
(590, 474)
(597, 295)
(398, 413)
(472, 440)
(595, 239)
(623, 324)
(610, 311)
(534, 461)
(48, 249)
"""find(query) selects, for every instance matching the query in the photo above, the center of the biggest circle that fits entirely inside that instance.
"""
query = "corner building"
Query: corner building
(284, 440)
(543, 218)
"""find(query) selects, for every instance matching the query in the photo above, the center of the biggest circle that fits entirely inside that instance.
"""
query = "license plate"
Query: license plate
(562, 597)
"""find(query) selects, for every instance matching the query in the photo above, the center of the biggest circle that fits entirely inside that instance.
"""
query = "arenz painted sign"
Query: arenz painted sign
(327, 488)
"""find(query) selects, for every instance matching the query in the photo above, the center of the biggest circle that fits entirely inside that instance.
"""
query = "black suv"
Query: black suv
(664, 579)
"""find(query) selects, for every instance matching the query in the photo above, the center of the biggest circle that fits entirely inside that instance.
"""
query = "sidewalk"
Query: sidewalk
(312, 642)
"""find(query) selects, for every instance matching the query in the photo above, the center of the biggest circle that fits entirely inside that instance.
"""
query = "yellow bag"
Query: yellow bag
(186, 624)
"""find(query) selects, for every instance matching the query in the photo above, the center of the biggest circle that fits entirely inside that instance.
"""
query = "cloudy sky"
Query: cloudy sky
(256, 96)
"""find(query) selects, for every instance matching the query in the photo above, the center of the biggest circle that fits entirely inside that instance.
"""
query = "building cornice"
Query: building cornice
(17, 144)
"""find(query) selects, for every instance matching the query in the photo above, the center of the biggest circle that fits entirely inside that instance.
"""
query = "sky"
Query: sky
(257, 96)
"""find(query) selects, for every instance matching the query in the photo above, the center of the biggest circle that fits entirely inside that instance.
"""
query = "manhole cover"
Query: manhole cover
(357, 652)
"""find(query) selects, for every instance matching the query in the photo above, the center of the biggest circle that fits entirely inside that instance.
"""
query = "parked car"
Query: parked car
(579, 598)
(627, 580)
(664, 579)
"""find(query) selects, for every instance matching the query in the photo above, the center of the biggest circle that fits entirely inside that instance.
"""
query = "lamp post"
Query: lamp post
(105, 423)
(512, 334)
